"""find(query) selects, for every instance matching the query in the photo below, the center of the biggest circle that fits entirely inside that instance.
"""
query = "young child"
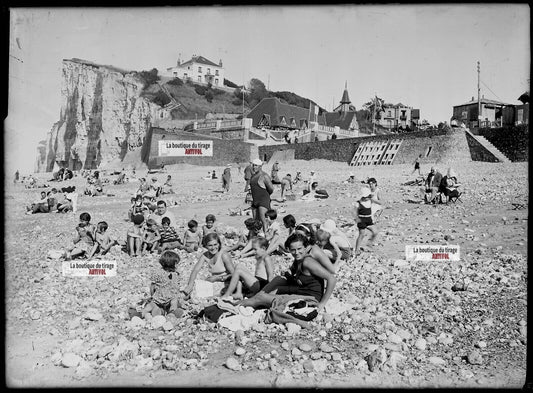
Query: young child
(103, 241)
(137, 208)
(164, 288)
(83, 239)
(149, 203)
(209, 226)
(339, 241)
(169, 238)
(290, 223)
(191, 238)
(363, 218)
(273, 231)
(255, 228)
(219, 262)
(150, 236)
(134, 236)
(253, 283)
(323, 240)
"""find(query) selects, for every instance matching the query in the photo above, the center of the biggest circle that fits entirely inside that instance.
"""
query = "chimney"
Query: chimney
(472, 98)
(179, 59)
(220, 63)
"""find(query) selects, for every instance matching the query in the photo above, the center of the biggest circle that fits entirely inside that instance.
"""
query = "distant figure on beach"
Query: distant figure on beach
(417, 164)
(274, 173)
(17, 175)
(214, 175)
(286, 183)
(226, 178)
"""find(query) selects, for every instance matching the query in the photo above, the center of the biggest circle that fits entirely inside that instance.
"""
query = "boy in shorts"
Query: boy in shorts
(363, 218)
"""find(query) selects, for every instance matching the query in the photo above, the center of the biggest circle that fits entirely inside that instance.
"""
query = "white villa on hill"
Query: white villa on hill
(199, 70)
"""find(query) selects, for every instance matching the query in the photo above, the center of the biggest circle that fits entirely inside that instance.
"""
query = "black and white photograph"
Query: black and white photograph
(267, 196)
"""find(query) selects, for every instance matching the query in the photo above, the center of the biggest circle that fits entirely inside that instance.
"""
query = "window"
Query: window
(175, 73)
(185, 75)
(189, 67)
(216, 81)
(390, 113)
(199, 79)
(216, 72)
(209, 71)
(200, 69)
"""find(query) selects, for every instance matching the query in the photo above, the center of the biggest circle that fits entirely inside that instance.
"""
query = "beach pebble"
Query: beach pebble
(167, 326)
(436, 360)
(240, 351)
(93, 315)
(158, 321)
(34, 314)
(305, 347)
(233, 364)
(293, 328)
(320, 365)
(481, 344)
(475, 357)
(324, 347)
(70, 360)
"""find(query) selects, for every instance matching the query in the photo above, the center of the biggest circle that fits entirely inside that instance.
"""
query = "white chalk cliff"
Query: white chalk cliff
(102, 117)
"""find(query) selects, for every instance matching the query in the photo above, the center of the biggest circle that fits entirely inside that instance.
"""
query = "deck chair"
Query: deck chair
(456, 198)
(519, 206)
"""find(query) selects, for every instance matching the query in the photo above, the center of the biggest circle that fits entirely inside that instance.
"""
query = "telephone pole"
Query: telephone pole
(478, 99)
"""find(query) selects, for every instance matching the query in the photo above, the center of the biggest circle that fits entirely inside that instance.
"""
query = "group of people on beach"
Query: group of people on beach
(318, 248)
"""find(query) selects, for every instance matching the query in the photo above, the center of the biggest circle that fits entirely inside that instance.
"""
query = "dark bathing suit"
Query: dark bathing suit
(301, 284)
(260, 196)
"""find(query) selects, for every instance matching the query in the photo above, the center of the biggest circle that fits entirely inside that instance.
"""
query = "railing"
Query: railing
(206, 125)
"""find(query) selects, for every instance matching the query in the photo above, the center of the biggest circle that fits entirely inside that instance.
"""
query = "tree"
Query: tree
(375, 106)
(149, 77)
(257, 91)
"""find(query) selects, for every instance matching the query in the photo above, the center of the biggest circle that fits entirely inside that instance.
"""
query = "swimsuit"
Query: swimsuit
(260, 196)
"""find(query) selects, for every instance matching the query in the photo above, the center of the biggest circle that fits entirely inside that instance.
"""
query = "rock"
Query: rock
(324, 347)
(137, 322)
(481, 344)
(403, 334)
(322, 333)
(93, 315)
(336, 356)
(316, 355)
(436, 360)
(158, 322)
(523, 331)
(308, 366)
(293, 328)
(239, 351)
(34, 314)
(475, 357)
(233, 364)
(394, 359)
(167, 326)
(296, 352)
(304, 347)
(394, 338)
(373, 360)
(320, 365)
(522, 323)
(70, 360)
(401, 263)
(285, 345)
(431, 340)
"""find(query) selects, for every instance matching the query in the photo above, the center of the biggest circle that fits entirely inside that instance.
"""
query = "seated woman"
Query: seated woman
(307, 277)
(432, 185)
(315, 193)
(448, 186)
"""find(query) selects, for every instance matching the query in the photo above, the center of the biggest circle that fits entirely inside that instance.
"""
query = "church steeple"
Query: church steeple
(345, 100)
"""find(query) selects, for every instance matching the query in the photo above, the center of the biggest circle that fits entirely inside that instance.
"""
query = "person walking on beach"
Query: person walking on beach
(17, 175)
(417, 164)
(274, 173)
(226, 178)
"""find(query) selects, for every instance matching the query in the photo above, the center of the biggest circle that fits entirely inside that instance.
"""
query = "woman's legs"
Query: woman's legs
(262, 210)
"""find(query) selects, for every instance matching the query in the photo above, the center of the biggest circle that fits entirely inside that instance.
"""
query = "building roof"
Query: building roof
(201, 60)
(483, 101)
(343, 120)
(345, 99)
(274, 108)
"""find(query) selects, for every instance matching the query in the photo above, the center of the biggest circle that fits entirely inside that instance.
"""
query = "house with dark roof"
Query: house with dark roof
(199, 70)
(273, 114)
(492, 113)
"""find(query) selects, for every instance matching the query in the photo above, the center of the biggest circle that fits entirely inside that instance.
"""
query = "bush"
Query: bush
(230, 83)
(209, 95)
(161, 98)
(217, 92)
(200, 90)
(149, 77)
(175, 82)
(237, 101)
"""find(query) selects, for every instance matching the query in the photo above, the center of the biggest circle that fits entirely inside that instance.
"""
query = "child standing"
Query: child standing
(209, 226)
(264, 273)
(273, 231)
(102, 241)
(151, 236)
(169, 238)
(363, 218)
(83, 239)
(219, 262)
(191, 238)
(134, 236)
(417, 164)
(164, 287)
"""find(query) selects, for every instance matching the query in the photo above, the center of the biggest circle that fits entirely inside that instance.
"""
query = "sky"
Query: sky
(424, 56)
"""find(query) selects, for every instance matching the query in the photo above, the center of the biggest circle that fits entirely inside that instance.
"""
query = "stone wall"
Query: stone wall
(443, 146)
(224, 151)
(513, 141)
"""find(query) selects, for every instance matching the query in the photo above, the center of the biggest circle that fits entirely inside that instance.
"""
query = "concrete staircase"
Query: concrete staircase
(490, 147)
